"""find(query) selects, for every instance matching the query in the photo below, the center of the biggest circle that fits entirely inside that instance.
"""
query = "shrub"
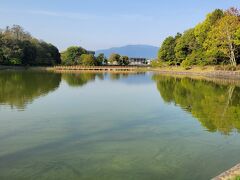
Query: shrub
(158, 63)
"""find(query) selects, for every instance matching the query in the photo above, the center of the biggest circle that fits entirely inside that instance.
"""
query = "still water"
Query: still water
(70, 126)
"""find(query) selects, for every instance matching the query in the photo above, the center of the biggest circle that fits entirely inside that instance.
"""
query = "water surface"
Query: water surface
(116, 126)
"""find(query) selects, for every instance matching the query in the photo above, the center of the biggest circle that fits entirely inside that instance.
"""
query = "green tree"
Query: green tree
(202, 29)
(167, 51)
(88, 60)
(222, 38)
(114, 59)
(124, 60)
(18, 47)
(72, 55)
(237, 41)
(185, 45)
(47, 54)
(29, 53)
(101, 59)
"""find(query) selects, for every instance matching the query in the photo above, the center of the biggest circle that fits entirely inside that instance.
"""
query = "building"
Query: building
(137, 61)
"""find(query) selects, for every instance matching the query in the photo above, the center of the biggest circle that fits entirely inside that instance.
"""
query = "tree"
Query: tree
(124, 60)
(29, 53)
(185, 45)
(222, 38)
(237, 41)
(167, 51)
(47, 54)
(101, 59)
(114, 59)
(72, 55)
(88, 60)
(202, 29)
(18, 47)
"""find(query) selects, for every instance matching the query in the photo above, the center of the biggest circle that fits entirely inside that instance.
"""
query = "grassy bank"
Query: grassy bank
(208, 71)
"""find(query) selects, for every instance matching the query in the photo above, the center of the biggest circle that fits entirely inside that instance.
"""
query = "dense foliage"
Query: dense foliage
(117, 59)
(214, 41)
(76, 55)
(18, 47)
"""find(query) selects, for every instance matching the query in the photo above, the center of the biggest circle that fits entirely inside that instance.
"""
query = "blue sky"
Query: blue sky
(99, 24)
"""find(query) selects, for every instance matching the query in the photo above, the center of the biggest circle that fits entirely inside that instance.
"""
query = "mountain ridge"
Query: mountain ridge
(138, 50)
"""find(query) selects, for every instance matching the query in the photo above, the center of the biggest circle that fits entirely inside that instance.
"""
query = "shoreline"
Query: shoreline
(208, 72)
(23, 68)
(230, 174)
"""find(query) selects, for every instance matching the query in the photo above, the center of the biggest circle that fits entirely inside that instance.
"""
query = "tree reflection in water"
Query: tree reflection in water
(19, 88)
(216, 105)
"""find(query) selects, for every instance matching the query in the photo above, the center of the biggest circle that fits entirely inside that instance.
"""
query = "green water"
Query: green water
(116, 126)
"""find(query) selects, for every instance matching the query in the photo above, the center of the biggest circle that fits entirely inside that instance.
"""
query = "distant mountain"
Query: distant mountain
(143, 51)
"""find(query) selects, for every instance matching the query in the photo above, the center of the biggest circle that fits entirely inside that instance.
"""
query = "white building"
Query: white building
(137, 61)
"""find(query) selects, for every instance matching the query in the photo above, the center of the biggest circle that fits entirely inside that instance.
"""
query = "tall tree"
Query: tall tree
(101, 59)
(72, 55)
(222, 38)
(114, 58)
(185, 45)
(167, 51)
(237, 41)
(18, 47)
(202, 29)
(88, 60)
(124, 60)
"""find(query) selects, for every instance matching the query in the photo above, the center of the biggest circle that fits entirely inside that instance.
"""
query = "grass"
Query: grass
(198, 68)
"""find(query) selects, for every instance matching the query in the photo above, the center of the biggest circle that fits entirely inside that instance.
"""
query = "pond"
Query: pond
(116, 126)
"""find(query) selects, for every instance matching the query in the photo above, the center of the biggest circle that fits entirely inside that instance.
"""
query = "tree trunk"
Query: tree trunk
(232, 56)
(229, 99)
(232, 53)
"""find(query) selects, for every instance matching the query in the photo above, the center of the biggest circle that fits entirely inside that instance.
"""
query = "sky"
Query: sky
(101, 24)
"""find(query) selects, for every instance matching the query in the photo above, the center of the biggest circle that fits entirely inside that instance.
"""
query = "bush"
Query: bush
(158, 63)
(15, 61)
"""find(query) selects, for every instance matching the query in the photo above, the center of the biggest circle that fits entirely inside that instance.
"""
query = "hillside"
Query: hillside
(144, 51)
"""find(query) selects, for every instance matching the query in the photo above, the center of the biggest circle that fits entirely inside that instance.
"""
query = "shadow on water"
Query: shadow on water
(215, 103)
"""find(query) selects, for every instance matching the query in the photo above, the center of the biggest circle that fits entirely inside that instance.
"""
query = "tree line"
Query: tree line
(215, 41)
(76, 55)
(18, 47)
